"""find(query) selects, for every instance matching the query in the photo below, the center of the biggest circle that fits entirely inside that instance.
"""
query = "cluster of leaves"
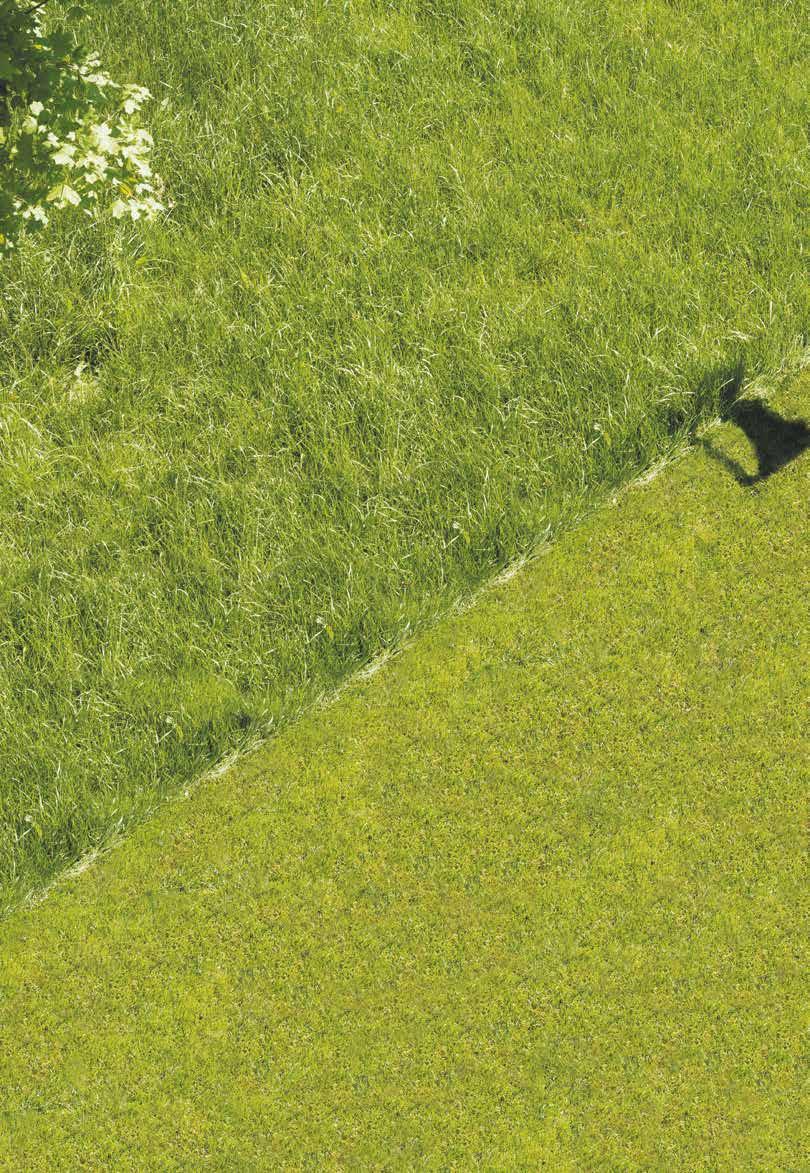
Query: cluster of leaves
(69, 135)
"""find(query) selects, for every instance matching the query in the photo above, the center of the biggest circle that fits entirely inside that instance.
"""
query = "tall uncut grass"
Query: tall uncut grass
(436, 275)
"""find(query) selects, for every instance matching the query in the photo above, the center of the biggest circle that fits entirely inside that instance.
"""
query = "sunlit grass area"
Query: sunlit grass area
(436, 276)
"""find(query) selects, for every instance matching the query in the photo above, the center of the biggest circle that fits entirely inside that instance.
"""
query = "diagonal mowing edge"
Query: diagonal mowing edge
(533, 896)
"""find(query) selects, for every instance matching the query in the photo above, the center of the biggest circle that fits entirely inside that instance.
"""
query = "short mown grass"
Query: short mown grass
(436, 276)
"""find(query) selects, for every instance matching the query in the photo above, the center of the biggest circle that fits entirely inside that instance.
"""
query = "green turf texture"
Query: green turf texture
(532, 896)
(437, 275)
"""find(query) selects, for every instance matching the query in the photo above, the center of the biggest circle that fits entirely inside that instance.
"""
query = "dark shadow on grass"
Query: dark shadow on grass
(776, 441)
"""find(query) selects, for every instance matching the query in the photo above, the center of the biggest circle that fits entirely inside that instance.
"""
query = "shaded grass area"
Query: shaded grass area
(437, 275)
(532, 897)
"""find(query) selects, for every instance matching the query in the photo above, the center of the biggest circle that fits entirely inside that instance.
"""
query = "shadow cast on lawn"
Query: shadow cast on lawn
(776, 440)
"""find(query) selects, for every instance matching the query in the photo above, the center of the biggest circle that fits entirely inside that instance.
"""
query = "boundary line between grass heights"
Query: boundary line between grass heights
(757, 386)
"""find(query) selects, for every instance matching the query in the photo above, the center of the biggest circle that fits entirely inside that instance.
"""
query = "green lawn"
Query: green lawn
(437, 275)
(532, 896)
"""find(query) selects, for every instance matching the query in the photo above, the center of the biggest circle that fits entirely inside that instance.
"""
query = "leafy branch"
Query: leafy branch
(69, 134)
